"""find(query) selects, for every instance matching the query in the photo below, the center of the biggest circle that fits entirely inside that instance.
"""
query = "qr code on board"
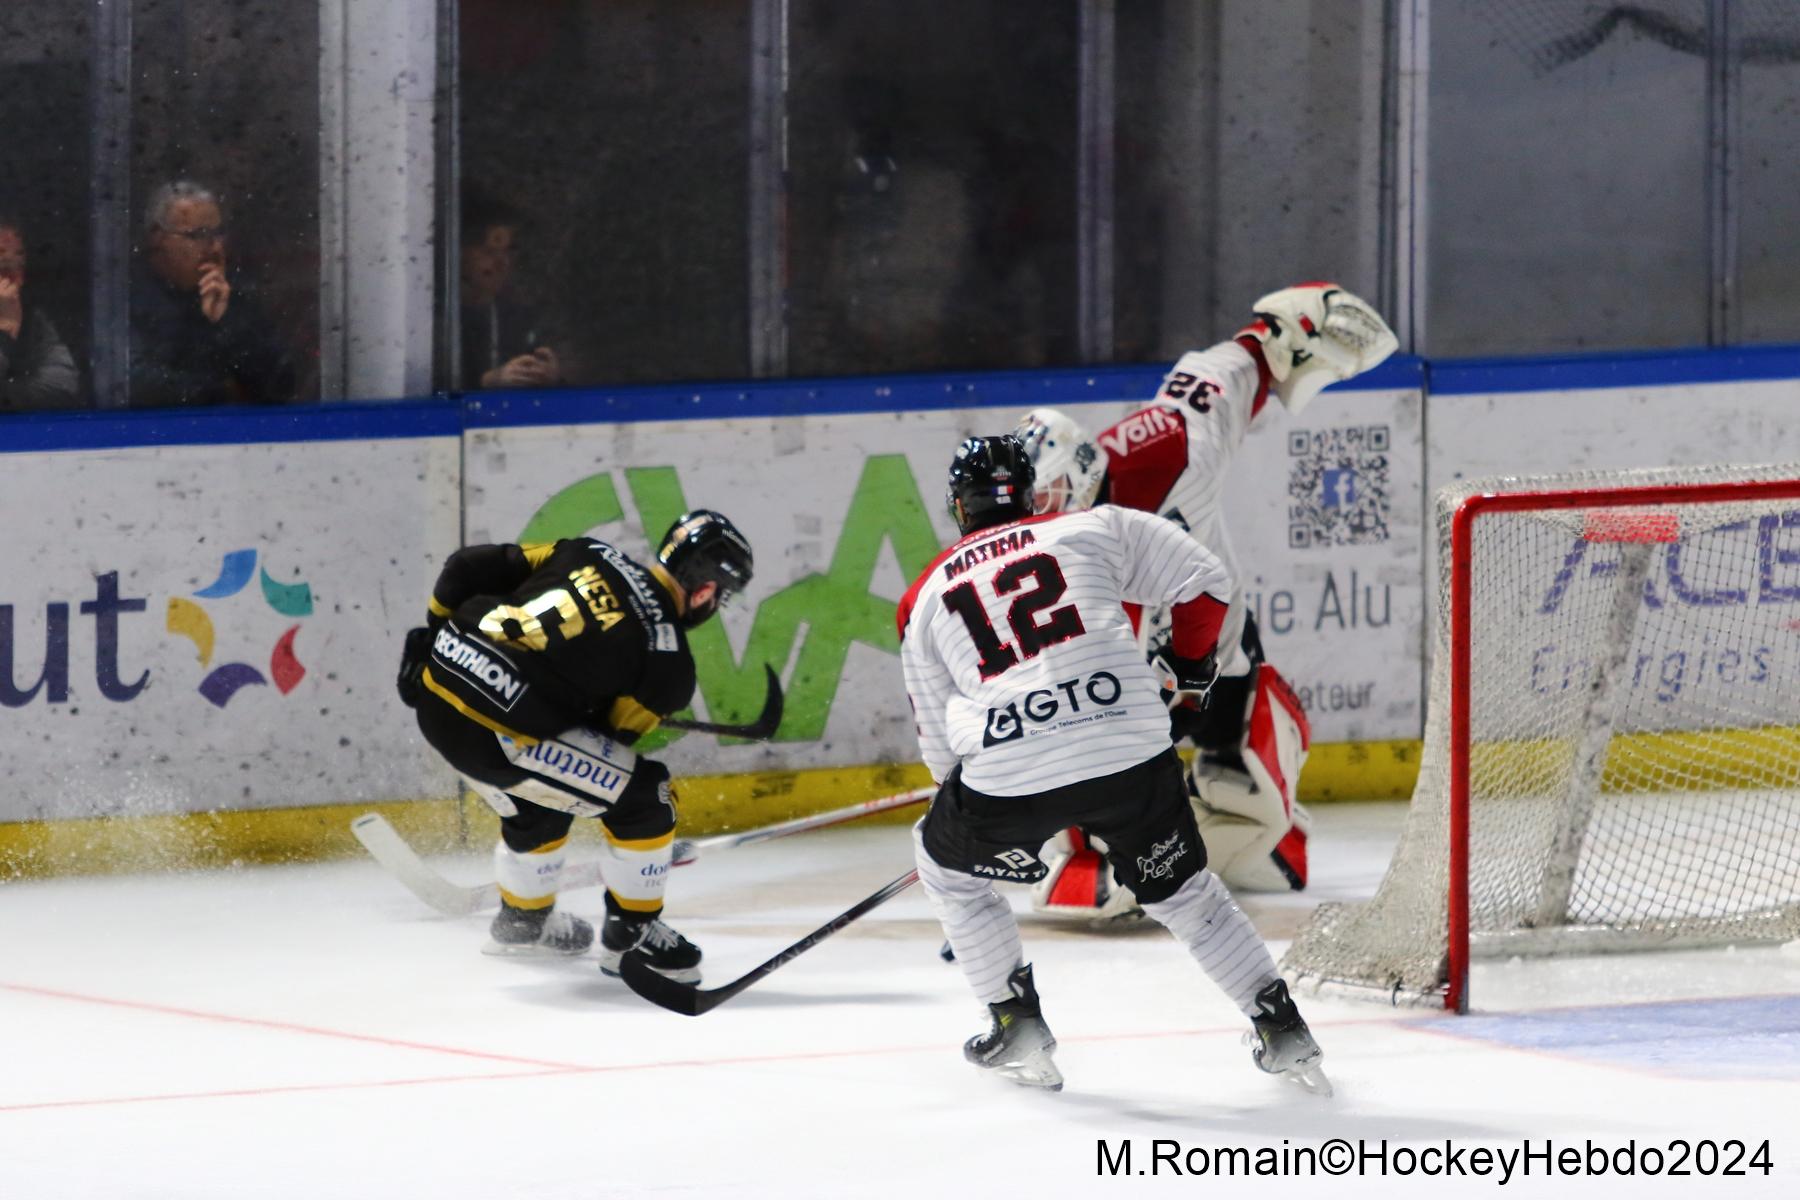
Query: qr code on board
(1338, 486)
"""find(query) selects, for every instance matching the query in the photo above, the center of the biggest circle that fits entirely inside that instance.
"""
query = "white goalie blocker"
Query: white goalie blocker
(1254, 829)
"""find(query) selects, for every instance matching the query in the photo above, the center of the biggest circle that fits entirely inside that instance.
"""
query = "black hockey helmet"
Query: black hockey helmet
(704, 547)
(990, 482)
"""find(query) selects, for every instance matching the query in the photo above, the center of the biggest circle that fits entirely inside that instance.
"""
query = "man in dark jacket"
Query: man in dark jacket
(196, 338)
(36, 369)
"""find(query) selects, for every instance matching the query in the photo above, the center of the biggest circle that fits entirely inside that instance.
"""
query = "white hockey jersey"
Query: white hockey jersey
(1170, 458)
(1020, 660)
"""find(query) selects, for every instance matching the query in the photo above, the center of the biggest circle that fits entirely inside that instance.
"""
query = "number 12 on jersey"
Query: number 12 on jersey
(1031, 633)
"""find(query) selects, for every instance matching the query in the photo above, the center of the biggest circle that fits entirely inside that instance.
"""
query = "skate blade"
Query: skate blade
(1026, 1075)
(1311, 1077)
(1307, 1073)
(528, 950)
(1034, 1070)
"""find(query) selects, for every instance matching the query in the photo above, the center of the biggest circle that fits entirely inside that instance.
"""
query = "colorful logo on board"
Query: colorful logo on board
(192, 620)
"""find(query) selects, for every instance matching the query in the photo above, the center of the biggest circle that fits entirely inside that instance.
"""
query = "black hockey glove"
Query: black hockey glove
(413, 657)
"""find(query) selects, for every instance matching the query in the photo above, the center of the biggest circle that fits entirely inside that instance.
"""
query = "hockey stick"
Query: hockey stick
(837, 816)
(388, 848)
(760, 729)
(691, 1001)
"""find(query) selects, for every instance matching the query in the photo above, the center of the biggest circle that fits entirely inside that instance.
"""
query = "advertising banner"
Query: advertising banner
(185, 628)
(1713, 642)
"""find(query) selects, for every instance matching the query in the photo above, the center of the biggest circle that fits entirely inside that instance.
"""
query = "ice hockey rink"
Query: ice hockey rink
(314, 1031)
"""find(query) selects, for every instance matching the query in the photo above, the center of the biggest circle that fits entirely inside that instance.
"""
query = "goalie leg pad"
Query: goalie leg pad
(1255, 831)
(1080, 882)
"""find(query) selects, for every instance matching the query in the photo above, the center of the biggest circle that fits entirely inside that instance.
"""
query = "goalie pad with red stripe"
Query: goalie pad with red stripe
(1255, 831)
(1080, 882)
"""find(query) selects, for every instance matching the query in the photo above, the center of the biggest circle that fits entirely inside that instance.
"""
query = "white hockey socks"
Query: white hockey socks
(529, 879)
(638, 872)
(977, 921)
(1203, 916)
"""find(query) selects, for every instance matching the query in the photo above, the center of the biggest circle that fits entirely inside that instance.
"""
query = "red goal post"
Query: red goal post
(1578, 779)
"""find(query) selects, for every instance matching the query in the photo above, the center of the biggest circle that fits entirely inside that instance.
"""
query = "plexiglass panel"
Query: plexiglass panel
(1765, 38)
(613, 136)
(932, 199)
(224, 146)
(44, 202)
(1566, 197)
(1250, 156)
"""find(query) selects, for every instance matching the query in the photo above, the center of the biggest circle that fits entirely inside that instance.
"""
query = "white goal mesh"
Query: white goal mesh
(1631, 731)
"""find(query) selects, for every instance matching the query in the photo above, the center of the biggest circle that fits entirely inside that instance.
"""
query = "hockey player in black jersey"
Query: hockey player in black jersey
(538, 668)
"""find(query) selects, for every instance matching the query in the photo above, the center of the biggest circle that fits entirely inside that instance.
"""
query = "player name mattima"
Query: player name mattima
(1009, 542)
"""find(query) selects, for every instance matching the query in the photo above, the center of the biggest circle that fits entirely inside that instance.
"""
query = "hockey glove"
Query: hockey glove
(1184, 679)
(413, 657)
(1317, 334)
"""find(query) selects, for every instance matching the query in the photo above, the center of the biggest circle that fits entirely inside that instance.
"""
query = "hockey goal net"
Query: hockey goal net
(1612, 742)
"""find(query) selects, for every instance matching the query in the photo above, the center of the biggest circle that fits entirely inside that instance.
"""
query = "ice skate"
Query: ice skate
(667, 951)
(1019, 1046)
(1282, 1044)
(537, 931)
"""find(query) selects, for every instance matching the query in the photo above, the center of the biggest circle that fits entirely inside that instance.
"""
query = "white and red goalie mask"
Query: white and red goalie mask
(1069, 463)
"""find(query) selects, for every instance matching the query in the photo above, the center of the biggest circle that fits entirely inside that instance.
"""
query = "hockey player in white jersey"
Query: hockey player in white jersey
(1037, 711)
(1170, 458)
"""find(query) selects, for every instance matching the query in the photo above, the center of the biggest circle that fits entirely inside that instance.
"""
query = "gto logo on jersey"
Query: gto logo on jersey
(1162, 859)
(1020, 866)
(1042, 705)
(1142, 427)
(479, 665)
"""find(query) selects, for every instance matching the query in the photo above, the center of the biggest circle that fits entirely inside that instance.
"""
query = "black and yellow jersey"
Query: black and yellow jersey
(531, 640)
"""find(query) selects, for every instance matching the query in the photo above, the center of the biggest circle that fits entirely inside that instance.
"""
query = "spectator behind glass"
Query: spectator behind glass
(36, 369)
(197, 337)
(500, 346)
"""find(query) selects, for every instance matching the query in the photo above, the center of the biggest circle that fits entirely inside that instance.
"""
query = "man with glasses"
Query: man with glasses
(196, 338)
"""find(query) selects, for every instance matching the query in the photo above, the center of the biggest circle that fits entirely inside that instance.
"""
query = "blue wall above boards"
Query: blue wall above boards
(1649, 368)
(111, 428)
(445, 416)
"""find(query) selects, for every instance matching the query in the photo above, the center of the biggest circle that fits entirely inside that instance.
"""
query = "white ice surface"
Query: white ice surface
(314, 1032)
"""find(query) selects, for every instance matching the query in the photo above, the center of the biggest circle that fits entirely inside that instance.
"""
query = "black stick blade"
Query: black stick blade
(691, 1001)
(659, 989)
